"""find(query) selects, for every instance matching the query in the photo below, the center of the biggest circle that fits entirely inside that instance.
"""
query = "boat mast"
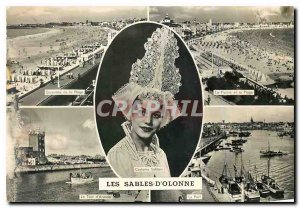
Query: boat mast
(268, 166)
(255, 172)
(212, 60)
(224, 172)
(235, 169)
(268, 157)
(242, 166)
(58, 85)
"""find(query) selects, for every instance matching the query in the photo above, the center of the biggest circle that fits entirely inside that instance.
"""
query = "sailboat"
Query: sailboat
(271, 184)
(244, 134)
(271, 153)
(263, 190)
(229, 183)
(246, 183)
(251, 191)
(239, 141)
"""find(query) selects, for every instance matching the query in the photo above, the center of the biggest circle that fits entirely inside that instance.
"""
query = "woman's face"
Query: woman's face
(145, 122)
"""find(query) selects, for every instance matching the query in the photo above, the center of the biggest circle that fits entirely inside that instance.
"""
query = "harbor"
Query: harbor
(52, 187)
(281, 167)
(249, 158)
(57, 167)
(56, 164)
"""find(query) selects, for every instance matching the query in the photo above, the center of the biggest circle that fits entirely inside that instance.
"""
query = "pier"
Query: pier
(54, 167)
(212, 143)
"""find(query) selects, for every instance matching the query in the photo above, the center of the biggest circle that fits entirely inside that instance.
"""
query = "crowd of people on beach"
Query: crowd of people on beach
(269, 68)
(44, 68)
(248, 54)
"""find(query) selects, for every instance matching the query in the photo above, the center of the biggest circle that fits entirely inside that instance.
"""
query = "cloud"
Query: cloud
(89, 124)
(211, 8)
(287, 11)
(153, 10)
(58, 14)
(222, 14)
(57, 142)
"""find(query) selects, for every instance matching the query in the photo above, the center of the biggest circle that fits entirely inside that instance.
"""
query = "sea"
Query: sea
(280, 39)
(282, 168)
(13, 33)
(52, 186)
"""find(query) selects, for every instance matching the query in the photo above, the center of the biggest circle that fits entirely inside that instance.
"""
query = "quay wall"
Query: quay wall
(42, 168)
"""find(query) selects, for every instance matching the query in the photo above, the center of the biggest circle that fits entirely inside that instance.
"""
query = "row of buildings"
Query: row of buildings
(35, 153)
(115, 24)
(73, 159)
(212, 129)
(194, 28)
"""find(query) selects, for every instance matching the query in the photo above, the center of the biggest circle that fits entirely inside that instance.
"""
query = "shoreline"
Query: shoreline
(48, 168)
(50, 31)
(276, 65)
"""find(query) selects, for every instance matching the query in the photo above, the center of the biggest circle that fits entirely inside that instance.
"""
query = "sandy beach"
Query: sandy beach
(26, 52)
(227, 44)
(245, 47)
(30, 50)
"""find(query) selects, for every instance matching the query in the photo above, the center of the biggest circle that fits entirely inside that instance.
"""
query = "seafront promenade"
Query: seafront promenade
(38, 96)
(46, 56)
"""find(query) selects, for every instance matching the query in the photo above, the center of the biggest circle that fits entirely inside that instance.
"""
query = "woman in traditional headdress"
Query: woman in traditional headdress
(148, 104)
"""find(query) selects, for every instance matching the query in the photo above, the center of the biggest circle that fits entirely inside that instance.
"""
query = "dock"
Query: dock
(55, 167)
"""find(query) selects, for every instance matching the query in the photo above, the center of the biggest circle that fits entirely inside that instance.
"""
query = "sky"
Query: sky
(220, 14)
(244, 114)
(30, 15)
(69, 131)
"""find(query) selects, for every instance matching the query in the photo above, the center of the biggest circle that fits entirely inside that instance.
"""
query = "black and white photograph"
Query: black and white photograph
(54, 155)
(238, 48)
(135, 103)
(148, 64)
(249, 158)
(53, 53)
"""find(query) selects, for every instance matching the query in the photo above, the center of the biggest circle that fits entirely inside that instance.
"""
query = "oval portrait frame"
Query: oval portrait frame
(187, 124)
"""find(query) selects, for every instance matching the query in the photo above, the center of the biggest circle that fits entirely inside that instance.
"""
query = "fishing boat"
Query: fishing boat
(236, 149)
(246, 182)
(252, 193)
(263, 190)
(225, 148)
(271, 184)
(227, 144)
(240, 141)
(80, 178)
(233, 133)
(217, 149)
(229, 185)
(244, 134)
(225, 175)
(234, 190)
(271, 153)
